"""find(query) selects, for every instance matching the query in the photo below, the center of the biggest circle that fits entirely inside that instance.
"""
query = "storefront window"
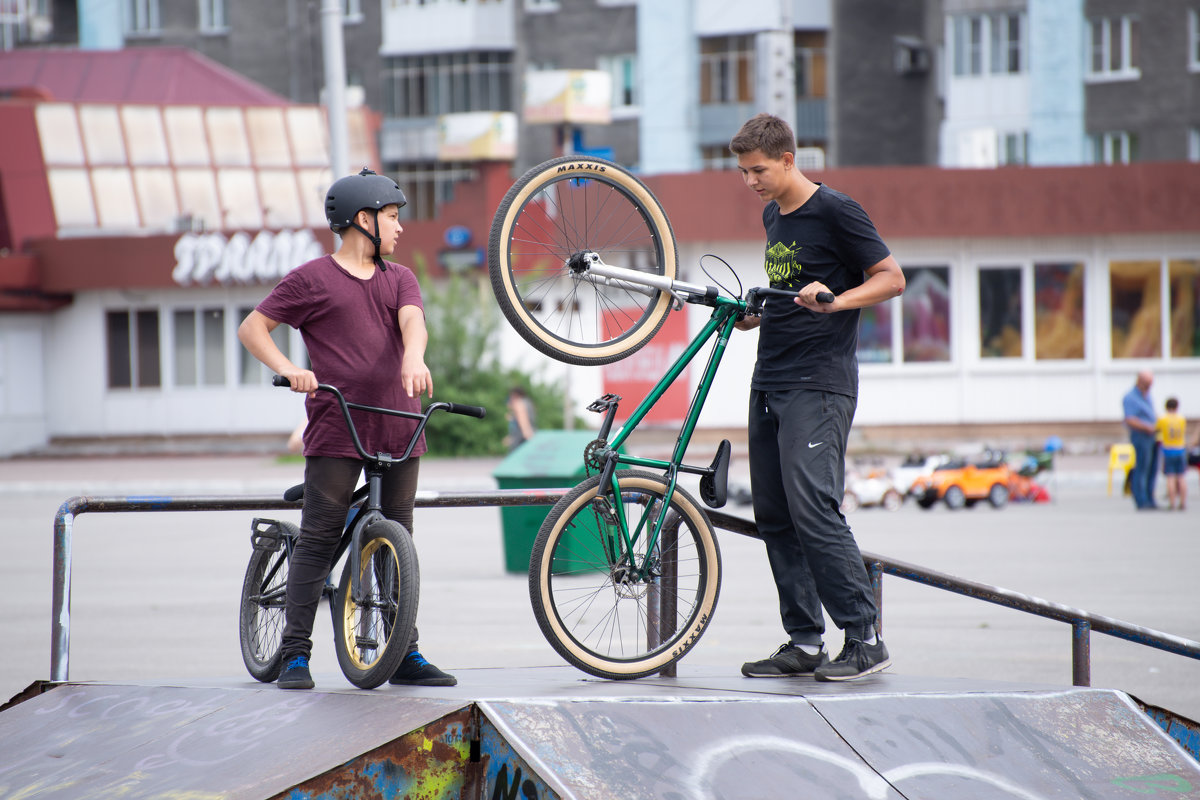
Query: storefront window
(1058, 311)
(926, 314)
(281, 202)
(240, 205)
(875, 334)
(1185, 297)
(58, 131)
(1136, 308)
(133, 349)
(200, 347)
(1000, 312)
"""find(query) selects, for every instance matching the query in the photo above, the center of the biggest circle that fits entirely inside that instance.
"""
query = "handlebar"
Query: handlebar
(454, 408)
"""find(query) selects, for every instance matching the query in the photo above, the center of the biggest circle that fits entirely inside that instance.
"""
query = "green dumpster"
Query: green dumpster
(550, 460)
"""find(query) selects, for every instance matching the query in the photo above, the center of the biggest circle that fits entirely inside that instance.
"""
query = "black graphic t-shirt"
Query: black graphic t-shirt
(828, 239)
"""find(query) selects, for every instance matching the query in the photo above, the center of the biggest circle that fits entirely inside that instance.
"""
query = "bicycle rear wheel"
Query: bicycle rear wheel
(555, 212)
(260, 618)
(371, 635)
(594, 608)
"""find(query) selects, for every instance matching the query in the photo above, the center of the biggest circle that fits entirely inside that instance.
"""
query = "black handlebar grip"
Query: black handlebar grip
(824, 297)
(466, 411)
(279, 380)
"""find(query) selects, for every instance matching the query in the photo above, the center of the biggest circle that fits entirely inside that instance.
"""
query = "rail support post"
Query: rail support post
(1081, 653)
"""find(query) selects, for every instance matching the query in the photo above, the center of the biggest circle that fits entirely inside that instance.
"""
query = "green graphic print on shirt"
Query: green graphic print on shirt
(781, 263)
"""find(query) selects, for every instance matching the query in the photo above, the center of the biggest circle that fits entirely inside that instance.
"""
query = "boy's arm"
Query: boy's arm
(885, 280)
(255, 335)
(414, 375)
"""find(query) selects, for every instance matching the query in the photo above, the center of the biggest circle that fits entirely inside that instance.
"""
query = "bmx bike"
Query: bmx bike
(374, 606)
(625, 571)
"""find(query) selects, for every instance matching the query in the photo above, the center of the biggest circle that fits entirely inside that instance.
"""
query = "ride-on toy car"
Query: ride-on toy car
(960, 484)
(875, 488)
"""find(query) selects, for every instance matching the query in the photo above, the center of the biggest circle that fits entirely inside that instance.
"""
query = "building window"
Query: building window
(1193, 147)
(199, 347)
(428, 185)
(1013, 148)
(812, 74)
(1000, 313)
(1184, 328)
(967, 41)
(1194, 40)
(1058, 323)
(352, 11)
(447, 83)
(1135, 306)
(133, 349)
(623, 69)
(925, 307)
(1118, 147)
(717, 156)
(993, 43)
(214, 16)
(1136, 301)
(727, 69)
(1113, 53)
(541, 6)
(141, 16)
(1007, 44)
(875, 334)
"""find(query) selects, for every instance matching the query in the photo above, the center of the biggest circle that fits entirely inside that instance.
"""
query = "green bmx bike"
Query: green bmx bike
(625, 572)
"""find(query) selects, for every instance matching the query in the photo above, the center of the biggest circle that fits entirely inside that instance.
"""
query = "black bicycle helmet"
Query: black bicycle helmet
(366, 190)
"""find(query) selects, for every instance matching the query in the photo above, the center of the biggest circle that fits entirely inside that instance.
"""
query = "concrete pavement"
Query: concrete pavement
(154, 595)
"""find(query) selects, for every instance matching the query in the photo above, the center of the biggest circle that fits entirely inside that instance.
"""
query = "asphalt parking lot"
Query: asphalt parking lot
(154, 594)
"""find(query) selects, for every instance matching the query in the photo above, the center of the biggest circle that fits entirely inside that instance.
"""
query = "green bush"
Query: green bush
(463, 321)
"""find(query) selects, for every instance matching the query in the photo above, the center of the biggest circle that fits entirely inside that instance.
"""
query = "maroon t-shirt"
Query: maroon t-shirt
(352, 333)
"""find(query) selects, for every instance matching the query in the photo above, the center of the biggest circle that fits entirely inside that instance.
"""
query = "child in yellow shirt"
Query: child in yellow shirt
(1172, 433)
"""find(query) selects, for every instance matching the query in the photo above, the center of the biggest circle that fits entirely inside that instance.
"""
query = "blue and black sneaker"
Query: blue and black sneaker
(414, 670)
(296, 675)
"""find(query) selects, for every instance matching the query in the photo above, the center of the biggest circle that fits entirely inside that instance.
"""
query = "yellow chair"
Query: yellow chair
(1120, 457)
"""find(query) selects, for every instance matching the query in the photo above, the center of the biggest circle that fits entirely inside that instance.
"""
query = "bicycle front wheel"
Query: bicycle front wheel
(552, 215)
(372, 633)
(260, 620)
(617, 612)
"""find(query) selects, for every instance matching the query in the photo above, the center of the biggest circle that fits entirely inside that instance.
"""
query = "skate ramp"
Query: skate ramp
(551, 733)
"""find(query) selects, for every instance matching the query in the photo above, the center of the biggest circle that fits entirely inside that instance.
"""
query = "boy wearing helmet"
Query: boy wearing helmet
(363, 324)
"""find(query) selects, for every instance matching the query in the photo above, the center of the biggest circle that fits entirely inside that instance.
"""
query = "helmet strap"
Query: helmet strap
(374, 237)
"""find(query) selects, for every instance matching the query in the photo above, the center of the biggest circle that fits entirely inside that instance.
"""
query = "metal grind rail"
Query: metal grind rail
(1082, 623)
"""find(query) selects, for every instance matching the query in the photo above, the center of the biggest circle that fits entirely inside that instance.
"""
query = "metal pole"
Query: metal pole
(1081, 653)
(335, 87)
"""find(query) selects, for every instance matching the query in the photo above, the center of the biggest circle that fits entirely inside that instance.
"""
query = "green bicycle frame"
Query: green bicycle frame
(726, 311)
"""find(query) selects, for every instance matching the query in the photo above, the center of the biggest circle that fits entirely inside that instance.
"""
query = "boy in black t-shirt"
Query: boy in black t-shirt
(802, 402)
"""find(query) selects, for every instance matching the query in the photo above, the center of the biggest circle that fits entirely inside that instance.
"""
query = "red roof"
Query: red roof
(153, 75)
(914, 202)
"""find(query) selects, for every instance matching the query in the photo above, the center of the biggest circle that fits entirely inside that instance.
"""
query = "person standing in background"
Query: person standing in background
(1141, 420)
(1172, 436)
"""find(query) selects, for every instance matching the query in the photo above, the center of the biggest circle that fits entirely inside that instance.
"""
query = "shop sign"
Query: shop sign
(205, 258)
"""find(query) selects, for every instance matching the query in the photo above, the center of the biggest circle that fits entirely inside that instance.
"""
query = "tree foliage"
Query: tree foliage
(463, 356)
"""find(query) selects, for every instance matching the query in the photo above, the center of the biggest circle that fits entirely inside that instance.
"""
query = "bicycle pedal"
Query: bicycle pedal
(266, 534)
(604, 402)
(714, 486)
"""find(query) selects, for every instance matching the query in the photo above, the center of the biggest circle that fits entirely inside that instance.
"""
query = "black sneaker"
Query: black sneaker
(296, 675)
(414, 670)
(789, 661)
(856, 660)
